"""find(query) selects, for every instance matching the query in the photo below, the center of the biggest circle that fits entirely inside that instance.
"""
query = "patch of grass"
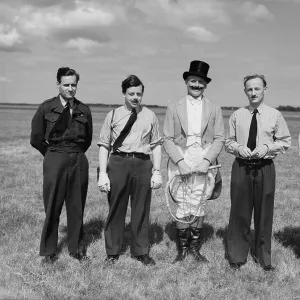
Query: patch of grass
(22, 215)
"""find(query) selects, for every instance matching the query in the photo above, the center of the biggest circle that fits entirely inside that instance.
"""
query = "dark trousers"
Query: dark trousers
(65, 179)
(251, 188)
(128, 177)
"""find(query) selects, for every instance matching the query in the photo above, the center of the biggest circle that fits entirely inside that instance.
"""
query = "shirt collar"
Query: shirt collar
(64, 102)
(259, 109)
(194, 101)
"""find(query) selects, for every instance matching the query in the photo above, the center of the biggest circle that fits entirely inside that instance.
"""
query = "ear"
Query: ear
(265, 89)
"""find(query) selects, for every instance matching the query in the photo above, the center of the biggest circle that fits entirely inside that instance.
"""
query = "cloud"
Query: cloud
(255, 12)
(10, 39)
(201, 34)
(47, 21)
(82, 44)
(5, 79)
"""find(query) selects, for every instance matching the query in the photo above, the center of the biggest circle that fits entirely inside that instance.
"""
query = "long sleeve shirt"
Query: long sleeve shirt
(272, 130)
(143, 136)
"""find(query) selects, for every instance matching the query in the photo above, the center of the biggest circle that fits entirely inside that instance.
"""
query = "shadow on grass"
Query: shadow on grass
(289, 237)
(92, 232)
(155, 235)
(206, 233)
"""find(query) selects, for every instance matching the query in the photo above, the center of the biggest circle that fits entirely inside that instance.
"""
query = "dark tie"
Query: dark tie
(125, 131)
(253, 131)
(62, 122)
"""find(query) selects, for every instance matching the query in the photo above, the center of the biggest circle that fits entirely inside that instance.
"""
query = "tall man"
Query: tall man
(133, 132)
(62, 130)
(257, 133)
(193, 139)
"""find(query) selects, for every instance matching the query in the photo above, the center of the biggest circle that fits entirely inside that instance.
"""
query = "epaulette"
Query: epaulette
(49, 100)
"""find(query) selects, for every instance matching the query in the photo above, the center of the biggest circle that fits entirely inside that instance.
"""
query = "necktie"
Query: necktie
(253, 131)
(118, 142)
(62, 122)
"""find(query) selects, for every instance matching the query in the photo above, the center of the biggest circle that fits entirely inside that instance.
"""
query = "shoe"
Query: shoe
(235, 266)
(110, 260)
(194, 245)
(145, 259)
(269, 268)
(80, 256)
(50, 259)
(182, 244)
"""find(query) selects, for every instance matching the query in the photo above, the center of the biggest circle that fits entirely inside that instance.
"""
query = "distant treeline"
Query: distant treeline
(280, 108)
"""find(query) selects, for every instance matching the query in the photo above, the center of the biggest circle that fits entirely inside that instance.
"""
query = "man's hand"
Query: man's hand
(184, 169)
(260, 152)
(245, 152)
(156, 180)
(202, 168)
(104, 182)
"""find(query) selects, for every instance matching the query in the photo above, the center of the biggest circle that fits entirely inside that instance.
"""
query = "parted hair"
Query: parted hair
(131, 81)
(249, 77)
(66, 71)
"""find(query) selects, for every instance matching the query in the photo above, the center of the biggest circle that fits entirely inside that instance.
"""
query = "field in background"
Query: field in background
(22, 216)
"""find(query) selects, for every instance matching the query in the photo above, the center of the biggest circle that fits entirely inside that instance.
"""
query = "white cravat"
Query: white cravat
(194, 112)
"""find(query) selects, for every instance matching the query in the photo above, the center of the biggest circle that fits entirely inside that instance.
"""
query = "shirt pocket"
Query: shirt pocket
(80, 124)
(51, 119)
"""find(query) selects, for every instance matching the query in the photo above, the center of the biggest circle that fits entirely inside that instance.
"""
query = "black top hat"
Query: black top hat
(198, 68)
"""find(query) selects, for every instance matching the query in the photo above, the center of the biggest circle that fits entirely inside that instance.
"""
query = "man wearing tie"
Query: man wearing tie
(257, 133)
(62, 130)
(131, 134)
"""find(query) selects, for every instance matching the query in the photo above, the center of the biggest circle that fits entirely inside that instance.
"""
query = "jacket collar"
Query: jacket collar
(58, 107)
(182, 113)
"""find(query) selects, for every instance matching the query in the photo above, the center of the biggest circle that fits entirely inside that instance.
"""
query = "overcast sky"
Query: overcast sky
(106, 40)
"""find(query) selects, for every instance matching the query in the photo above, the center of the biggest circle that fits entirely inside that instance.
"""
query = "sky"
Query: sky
(107, 40)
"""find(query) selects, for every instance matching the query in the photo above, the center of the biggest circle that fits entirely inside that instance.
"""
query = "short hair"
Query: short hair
(249, 77)
(131, 81)
(66, 71)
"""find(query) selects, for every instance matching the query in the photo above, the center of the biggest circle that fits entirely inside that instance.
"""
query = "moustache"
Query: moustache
(197, 88)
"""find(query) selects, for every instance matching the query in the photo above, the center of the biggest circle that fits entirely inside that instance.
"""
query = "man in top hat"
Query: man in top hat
(131, 134)
(62, 130)
(193, 139)
(257, 133)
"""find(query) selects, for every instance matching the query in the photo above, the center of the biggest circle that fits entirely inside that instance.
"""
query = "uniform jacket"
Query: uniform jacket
(46, 116)
(176, 128)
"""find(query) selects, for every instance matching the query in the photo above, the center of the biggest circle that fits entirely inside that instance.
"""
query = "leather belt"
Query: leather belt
(254, 162)
(132, 155)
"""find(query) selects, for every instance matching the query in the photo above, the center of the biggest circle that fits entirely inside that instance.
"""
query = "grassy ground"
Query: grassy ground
(22, 216)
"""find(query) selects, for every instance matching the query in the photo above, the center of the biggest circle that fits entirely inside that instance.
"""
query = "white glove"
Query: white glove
(156, 180)
(104, 182)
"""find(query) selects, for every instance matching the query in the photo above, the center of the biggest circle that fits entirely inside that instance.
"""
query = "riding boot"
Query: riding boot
(194, 245)
(182, 244)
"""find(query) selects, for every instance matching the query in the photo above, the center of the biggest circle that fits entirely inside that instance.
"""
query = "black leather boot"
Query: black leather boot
(194, 245)
(182, 244)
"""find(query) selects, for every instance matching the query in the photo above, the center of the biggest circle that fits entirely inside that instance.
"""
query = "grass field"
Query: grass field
(22, 216)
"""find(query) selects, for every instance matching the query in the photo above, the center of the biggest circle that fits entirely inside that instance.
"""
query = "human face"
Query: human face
(255, 91)
(67, 87)
(133, 97)
(195, 86)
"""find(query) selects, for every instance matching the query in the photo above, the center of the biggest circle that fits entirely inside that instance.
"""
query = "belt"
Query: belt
(132, 155)
(254, 162)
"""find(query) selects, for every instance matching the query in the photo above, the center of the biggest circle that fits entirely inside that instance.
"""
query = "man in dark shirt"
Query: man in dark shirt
(62, 130)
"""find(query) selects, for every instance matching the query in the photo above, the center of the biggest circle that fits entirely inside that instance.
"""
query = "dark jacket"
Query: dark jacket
(80, 128)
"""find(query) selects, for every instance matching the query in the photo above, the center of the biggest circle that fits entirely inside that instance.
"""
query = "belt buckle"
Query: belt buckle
(253, 162)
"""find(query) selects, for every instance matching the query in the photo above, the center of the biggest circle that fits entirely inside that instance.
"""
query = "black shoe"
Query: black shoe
(181, 256)
(235, 266)
(110, 260)
(50, 259)
(80, 256)
(145, 259)
(269, 268)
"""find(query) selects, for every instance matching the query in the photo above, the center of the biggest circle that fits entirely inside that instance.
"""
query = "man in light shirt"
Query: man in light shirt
(193, 139)
(131, 134)
(62, 131)
(257, 133)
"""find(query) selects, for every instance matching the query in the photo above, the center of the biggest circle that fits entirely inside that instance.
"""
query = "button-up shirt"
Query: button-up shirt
(272, 130)
(143, 136)
(194, 112)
